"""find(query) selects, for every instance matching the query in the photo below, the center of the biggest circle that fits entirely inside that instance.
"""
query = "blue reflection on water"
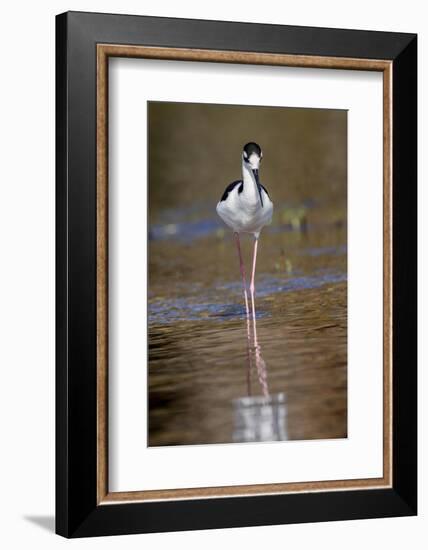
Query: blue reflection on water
(269, 285)
(203, 307)
(189, 231)
(184, 231)
(198, 220)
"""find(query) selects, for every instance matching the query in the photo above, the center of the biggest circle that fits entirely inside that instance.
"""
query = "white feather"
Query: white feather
(243, 212)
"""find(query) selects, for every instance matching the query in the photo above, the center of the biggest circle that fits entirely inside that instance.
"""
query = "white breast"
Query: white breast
(245, 215)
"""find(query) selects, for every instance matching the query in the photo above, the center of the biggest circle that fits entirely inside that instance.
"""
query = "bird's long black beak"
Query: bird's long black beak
(259, 187)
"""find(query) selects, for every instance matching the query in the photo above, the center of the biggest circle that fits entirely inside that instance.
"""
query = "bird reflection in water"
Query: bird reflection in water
(259, 417)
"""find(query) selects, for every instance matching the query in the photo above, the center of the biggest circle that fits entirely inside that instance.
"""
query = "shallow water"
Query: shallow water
(211, 380)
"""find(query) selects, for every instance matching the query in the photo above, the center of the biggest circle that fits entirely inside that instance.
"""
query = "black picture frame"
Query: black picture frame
(77, 511)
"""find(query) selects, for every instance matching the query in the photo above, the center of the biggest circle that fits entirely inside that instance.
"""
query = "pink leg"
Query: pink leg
(249, 357)
(260, 364)
(242, 268)
(253, 273)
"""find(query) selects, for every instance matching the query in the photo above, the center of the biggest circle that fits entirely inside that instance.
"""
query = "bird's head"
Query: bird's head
(252, 155)
(251, 158)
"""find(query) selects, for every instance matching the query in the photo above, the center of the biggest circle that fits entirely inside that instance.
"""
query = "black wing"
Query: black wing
(230, 188)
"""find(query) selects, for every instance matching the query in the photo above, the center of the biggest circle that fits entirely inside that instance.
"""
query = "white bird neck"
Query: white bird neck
(250, 191)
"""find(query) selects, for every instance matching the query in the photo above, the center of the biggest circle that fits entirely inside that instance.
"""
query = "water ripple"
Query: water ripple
(205, 307)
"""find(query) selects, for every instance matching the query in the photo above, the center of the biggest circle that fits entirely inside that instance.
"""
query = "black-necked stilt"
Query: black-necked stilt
(246, 207)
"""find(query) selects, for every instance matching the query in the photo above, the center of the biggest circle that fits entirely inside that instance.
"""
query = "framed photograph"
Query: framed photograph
(236, 274)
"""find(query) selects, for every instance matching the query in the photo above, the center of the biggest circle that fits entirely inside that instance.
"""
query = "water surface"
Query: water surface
(200, 367)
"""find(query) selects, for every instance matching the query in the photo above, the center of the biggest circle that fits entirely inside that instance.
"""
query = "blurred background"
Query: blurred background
(213, 377)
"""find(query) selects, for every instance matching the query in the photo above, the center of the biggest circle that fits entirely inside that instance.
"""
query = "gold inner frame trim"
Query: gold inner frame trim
(104, 51)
